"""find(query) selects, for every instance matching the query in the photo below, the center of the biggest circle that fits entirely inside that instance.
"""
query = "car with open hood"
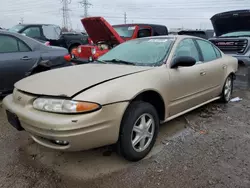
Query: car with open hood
(232, 31)
(105, 36)
(123, 97)
(22, 56)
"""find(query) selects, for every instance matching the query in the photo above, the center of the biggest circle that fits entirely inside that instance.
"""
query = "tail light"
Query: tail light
(67, 57)
(47, 43)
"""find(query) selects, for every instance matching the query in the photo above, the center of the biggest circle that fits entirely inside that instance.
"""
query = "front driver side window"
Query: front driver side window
(187, 48)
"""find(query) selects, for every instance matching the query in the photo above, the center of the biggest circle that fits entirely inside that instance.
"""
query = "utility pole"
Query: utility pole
(65, 14)
(86, 5)
(125, 17)
(21, 20)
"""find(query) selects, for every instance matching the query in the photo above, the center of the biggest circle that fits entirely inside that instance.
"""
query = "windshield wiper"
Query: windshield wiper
(119, 61)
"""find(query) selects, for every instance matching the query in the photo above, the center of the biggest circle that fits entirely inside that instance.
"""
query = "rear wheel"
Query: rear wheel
(227, 89)
(139, 129)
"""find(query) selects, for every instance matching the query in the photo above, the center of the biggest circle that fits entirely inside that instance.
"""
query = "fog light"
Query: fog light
(61, 142)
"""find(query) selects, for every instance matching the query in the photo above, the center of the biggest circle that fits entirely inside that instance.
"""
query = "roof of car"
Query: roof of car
(170, 36)
(139, 24)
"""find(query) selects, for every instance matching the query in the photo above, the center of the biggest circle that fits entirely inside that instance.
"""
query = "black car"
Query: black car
(21, 56)
(52, 34)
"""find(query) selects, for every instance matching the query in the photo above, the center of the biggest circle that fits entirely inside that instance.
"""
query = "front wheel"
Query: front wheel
(139, 129)
(227, 90)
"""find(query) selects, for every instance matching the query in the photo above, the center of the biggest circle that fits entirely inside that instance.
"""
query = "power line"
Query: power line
(21, 20)
(125, 17)
(86, 5)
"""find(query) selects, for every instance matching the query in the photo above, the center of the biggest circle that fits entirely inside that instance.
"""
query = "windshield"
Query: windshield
(237, 34)
(16, 28)
(125, 31)
(141, 52)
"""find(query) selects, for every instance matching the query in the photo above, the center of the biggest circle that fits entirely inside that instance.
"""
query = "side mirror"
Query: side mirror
(183, 61)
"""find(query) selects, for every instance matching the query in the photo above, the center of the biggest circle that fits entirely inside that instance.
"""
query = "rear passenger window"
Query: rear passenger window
(207, 50)
(23, 47)
(218, 53)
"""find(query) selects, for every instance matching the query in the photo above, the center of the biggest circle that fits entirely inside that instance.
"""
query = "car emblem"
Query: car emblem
(19, 98)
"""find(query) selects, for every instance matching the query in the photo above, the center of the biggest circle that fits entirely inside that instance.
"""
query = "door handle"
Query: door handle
(25, 58)
(224, 66)
(202, 73)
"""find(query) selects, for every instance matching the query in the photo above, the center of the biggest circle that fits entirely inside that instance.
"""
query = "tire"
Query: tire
(227, 90)
(133, 116)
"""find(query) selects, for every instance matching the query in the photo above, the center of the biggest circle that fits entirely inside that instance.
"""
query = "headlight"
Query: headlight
(93, 51)
(64, 106)
(79, 49)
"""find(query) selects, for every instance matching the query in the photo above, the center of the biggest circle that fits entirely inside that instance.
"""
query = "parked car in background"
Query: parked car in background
(21, 56)
(123, 97)
(105, 36)
(52, 34)
(232, 31)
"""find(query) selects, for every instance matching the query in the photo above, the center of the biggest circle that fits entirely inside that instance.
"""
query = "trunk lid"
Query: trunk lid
(231, 21)
(99, 29)
(71, 80)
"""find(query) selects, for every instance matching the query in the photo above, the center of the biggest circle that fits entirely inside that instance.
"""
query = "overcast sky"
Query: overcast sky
(172, 13)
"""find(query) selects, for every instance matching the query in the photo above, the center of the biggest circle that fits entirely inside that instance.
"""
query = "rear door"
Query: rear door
(214, 68)
(16, 58)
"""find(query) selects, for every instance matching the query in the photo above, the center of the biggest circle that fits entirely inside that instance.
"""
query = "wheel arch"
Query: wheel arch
(154, 98)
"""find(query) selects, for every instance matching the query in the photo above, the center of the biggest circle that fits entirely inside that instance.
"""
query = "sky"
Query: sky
(172, 13)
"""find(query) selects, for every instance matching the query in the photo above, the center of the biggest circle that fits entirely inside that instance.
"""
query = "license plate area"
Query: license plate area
(13, 120)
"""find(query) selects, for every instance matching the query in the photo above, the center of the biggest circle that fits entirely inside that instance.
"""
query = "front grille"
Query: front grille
(231, 45)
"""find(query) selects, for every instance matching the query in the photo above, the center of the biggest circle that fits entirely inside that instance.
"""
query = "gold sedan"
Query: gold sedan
(123, 97)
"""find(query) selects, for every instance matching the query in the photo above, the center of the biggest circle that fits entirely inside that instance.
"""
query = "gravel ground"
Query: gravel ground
(209, 147)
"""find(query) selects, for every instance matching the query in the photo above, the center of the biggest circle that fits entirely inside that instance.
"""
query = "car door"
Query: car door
(214, 69)
(16, 58)
(186, 84)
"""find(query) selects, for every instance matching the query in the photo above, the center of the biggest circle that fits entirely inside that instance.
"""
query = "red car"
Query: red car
(105, 36)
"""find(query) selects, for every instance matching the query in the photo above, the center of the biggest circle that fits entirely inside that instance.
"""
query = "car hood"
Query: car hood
(99, 29)
(69, 81)
(231, 21)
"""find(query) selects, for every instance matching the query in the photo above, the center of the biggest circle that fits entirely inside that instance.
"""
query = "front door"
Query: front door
(187, 83)
(16, 58)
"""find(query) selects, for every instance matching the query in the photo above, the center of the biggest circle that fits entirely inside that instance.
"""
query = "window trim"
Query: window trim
(203, 60)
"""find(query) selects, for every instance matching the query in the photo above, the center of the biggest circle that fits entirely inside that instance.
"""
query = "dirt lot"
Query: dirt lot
(209, 147)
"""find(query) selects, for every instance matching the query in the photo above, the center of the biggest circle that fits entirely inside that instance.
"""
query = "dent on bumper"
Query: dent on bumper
(82, 132)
